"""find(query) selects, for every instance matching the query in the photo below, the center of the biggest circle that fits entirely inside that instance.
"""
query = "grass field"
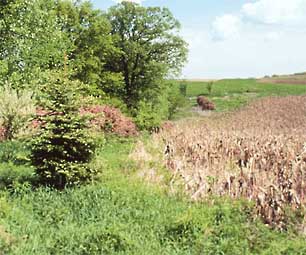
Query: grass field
(232, 94)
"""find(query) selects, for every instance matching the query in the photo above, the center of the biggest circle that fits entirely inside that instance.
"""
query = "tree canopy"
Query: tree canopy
(150, 47)
(30, 39)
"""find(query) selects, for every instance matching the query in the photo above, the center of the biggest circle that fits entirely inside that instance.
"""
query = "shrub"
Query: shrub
(183, 88)
(209, 87)
(205, 104)
(149, 116)
(16, 109)
(11, 175)
(14, 151)
(62, 148)
(176, 101)
(110, 120)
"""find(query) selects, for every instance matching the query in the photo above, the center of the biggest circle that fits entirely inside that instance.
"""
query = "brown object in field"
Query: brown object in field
(205, 104)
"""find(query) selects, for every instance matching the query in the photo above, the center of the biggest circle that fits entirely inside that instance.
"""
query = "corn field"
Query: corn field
(257, 153)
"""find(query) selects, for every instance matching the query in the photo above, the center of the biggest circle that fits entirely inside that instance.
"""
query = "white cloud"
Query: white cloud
(282, 12)
(256, 52)
(262, 37)
(133, 1)
(226, 27)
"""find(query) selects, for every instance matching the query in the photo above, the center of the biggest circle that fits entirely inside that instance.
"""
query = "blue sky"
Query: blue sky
(238, 38)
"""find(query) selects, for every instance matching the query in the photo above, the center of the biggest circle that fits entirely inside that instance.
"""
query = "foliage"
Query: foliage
(126, 218)
(151, 114)
(176, 102)
(15, 151)
(89, 30)
(209, 87)
(30, 40)
(63, 148)
(110, 120)
(16, 109)
(183, 88)
(12, 175)
(150, 49)
(14, 164)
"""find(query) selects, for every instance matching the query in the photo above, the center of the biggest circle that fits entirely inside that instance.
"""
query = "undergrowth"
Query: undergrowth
(120, 215)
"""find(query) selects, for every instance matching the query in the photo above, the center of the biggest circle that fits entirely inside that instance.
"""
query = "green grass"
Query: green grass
(231, 94)
(133, 219)
(121, 215)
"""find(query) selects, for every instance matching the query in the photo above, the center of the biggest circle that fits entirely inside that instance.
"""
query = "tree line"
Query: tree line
(123, 56)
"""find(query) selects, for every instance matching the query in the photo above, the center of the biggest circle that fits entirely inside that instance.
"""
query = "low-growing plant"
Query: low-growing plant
(12, 175)
(63, 147)
(209, 87)
(183, 88)
(16, 109)
(14, 151)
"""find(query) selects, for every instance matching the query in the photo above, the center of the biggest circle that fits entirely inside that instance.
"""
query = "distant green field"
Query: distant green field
(234, 93)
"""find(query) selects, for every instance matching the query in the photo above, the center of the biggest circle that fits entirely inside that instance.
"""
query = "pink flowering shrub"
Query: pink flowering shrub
(103, 117)
(111, 120)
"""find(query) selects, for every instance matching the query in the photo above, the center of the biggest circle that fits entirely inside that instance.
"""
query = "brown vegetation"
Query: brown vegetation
(2, 133)
(257, 153)
(205, 104)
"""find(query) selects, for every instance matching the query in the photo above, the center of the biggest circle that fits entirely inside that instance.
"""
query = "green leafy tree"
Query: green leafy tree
(150, 50)
(63, 148)
(31, 40)
(89, 30)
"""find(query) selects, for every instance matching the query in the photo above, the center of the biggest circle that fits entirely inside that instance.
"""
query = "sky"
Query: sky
(237, 38)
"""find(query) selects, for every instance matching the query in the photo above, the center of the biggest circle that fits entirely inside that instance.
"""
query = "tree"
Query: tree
(150, 49)
(63, 147)
(31, 40)
(89, 30)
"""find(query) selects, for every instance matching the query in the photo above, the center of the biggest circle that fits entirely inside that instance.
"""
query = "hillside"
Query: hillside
(297, 78)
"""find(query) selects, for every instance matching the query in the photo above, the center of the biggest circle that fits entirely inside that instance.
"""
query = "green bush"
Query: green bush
(16, 109)
(63, 148)
(14, 151)
(150, 116)
(12, 175)
(209, 87)
(183, 88)
(176, 101)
